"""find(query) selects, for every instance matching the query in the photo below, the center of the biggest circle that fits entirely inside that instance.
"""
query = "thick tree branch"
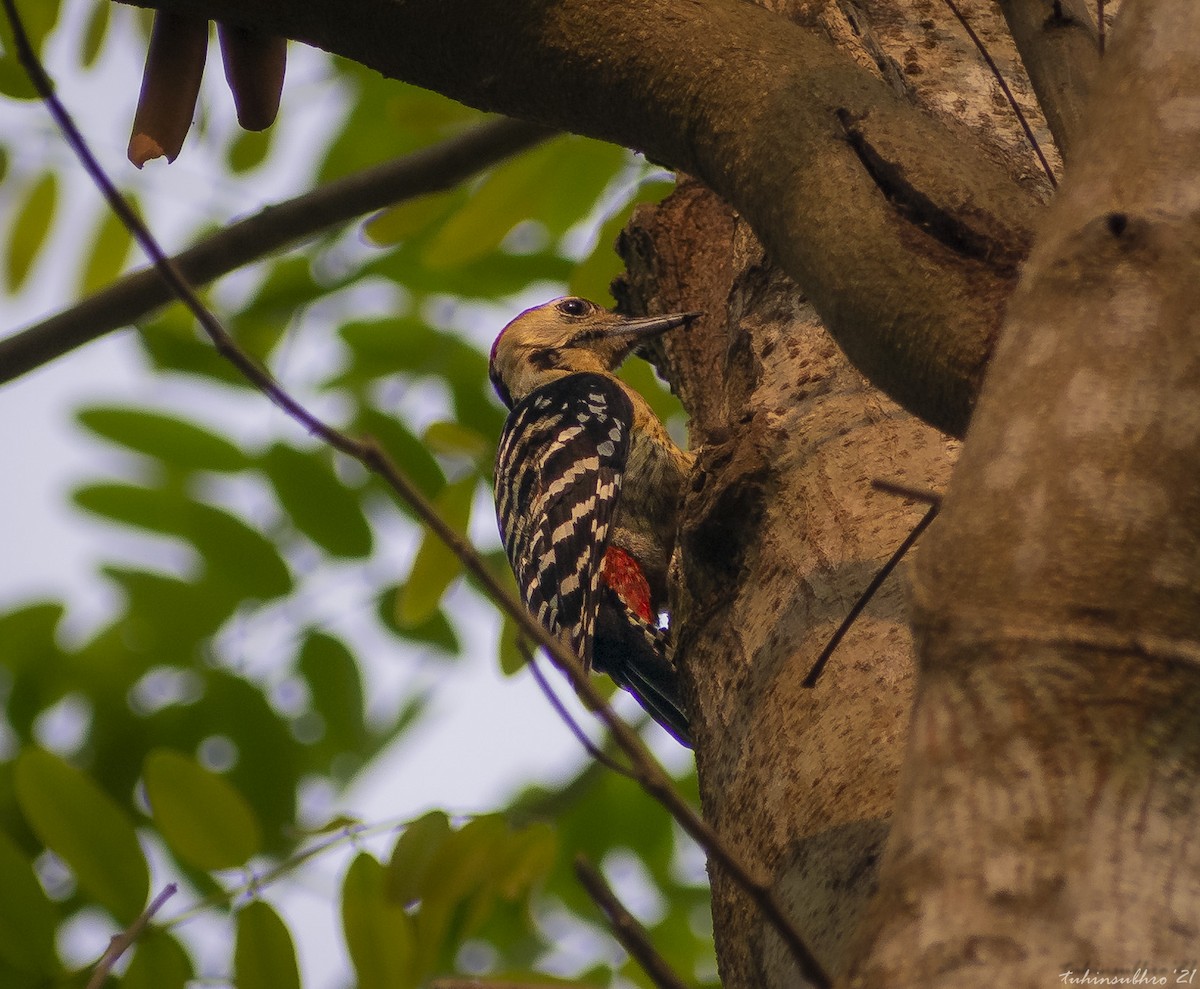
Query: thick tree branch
(1052, 783)
(1060, 50)
(139, 293)
(754, 106)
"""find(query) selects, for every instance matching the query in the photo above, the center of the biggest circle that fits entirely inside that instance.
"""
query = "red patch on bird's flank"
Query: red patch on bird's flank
(623, 575)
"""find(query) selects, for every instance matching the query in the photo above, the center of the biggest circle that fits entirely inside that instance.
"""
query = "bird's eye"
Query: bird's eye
(574, 307)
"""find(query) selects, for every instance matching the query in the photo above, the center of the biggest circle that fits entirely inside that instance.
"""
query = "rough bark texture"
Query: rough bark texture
(1059, 47)
(781, 532)
(1046, 820)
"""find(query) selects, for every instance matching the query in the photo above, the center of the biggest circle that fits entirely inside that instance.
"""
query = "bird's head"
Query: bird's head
(567, 336)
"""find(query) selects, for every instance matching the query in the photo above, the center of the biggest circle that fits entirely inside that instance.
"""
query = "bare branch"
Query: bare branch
(572, 725)
(649, 772)
(125, 940)
(256, 883)
(864, 599)
(1060, 55)
(634, 938)
(139, 293)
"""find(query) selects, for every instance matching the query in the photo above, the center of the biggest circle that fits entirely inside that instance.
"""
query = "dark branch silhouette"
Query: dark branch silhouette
(139, 293)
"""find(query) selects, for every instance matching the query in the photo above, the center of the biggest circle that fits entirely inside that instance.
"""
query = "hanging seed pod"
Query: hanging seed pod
(254, 68)
(170, 85)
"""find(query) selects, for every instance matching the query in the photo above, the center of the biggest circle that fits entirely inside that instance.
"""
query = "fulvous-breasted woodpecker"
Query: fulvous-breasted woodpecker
(588, 486)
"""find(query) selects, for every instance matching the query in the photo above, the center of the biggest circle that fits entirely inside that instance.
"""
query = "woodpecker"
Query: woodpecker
(588, 485)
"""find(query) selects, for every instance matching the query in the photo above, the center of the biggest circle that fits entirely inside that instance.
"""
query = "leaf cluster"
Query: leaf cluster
(181, 738)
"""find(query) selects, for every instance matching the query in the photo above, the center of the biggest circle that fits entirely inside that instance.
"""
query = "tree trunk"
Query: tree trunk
(782, 531)
(1045, 824)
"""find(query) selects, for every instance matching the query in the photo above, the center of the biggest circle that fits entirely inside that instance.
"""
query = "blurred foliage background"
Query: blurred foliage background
(206, 727)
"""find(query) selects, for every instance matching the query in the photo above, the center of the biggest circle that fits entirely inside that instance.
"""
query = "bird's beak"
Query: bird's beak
(642, 327)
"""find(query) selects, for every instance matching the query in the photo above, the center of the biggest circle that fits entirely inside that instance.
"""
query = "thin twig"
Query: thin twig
(1008, 93)
(864, 599)
(568, 719)
(904, 491)
(137, 294)
(124, 941)
(626, 928)
(223, 897)
(650, 774)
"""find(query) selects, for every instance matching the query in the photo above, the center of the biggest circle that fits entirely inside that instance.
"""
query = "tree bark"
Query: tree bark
(905, 235)
(781, 532)
(1046, 819)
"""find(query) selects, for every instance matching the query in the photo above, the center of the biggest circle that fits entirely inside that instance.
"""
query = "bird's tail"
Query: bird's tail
(634, 653)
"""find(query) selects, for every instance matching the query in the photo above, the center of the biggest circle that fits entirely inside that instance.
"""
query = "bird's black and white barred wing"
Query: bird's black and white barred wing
(558, 479)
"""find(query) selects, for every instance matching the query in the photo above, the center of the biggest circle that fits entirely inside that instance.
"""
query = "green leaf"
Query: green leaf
(464, 866)
(201, 816)
(335, 687)
(387, 119)
(408, 870)
(289, 286)
(172, 343)
(93, 34)
(170, 617)
(159, 962)
(435, 566)
(320, 505)
(593, 276)
(512, 658)
(554, 184)
(235, 553)
(248, 150)
(265, 957)
(164, 437)
(27, 919)
(405, 219)
(489, 277)
(269, 759)
(28, 634)
(436, 631)
(89, 832)
(30, 229)
(106, 258)
(15, 978)
(527, 859)
(486, 278)
(38, 19)
(410, 344)
(408, 452)
(455, 439)
(379, 935)
(467, 859)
